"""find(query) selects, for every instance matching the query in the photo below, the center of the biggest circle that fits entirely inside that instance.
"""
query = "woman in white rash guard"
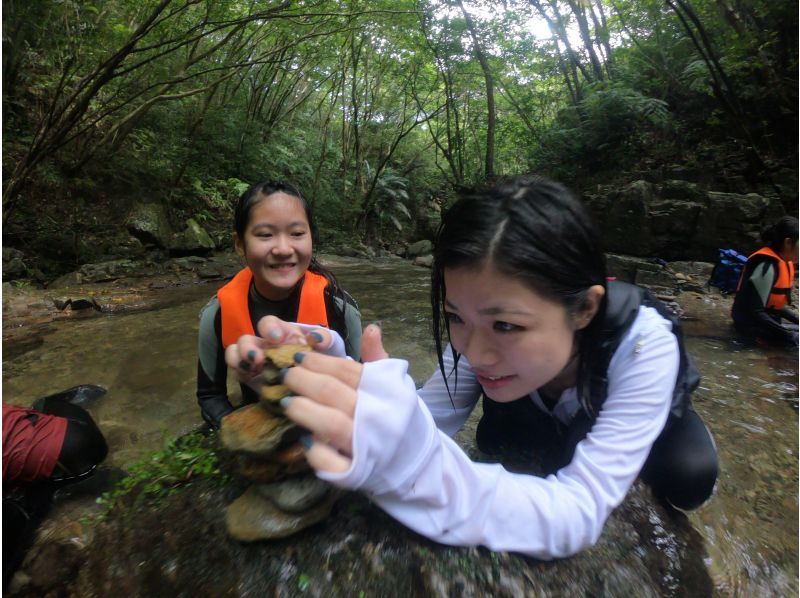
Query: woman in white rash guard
(563, 359)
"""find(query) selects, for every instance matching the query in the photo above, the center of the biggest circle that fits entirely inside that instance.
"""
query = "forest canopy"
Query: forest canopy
(377, 110)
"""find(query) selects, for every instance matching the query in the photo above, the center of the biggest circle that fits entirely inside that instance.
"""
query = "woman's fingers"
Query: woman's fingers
(275, 331)
(337, 391)
(345, 371)
(246, 356)
(372, 344)
(328, 424)
(319, 339)
(324, 457)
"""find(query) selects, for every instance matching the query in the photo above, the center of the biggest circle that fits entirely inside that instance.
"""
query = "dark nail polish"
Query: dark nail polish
(306, 441)
(316, 336)
(244, 365)
(285, 401)
(251, 355)
(298, 357)
(282, 374)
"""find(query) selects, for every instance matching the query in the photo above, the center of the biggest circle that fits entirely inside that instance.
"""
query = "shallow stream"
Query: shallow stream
(748, 397)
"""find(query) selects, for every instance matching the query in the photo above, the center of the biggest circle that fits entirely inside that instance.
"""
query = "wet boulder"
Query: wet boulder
(192, 240)
(149, 223)
(181, 546)
(419, 248)
(14, 266)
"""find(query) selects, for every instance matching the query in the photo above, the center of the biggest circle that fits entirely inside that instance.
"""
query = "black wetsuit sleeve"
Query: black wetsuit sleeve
(212, 373)
(751, 300)
(787, 314)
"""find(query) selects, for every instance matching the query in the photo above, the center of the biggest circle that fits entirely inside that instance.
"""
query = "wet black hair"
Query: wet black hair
(784, 228)
(529, 228)
(261, 191)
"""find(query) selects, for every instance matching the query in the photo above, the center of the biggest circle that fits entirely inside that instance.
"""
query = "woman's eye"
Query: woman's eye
(453, 318)
(299, 234)
(506, 327)
(264, 235)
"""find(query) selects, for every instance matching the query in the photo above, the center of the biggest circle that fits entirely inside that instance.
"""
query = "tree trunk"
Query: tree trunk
(490, 107)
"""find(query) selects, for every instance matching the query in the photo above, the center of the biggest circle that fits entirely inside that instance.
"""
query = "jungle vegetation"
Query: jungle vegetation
(378, 110)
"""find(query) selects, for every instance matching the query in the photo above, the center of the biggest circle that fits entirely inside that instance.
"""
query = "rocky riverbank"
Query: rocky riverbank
(179, 545)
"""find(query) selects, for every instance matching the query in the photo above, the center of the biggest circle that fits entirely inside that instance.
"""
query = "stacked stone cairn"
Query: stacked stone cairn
(285, 496)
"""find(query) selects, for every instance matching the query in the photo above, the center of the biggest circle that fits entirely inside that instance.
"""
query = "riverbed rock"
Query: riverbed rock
(644, 550)
(251, 429)
(192, 240)
(14, 266)
(680, 220)
(267, 470)
(149, 223)
(426, 261)
(296, 494)
(253, 517)
(423, 247)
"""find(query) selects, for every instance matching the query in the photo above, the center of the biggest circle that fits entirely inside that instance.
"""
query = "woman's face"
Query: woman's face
(515, 339)
(276, 244)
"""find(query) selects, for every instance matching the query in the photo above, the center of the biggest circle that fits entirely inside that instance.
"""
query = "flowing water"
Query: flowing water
(748, 397)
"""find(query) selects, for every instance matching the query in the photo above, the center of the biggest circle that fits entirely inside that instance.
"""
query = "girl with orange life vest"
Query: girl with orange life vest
(273, 233)
(764, 290)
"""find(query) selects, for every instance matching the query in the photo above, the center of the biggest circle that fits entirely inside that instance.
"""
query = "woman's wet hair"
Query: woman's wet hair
(257, 193)
(531, 229)
(261, 191)
(784, 228)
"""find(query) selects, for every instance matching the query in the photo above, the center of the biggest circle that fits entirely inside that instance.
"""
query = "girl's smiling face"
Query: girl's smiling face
(515, 339)
(276, 244)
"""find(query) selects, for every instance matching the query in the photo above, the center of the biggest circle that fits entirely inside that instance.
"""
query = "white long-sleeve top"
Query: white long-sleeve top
(417, 473)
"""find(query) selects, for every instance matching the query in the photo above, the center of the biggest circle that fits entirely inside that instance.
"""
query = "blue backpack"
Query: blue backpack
(727, 270)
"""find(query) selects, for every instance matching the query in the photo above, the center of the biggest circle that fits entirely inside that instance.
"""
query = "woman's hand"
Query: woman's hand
(372, 344)
(325, 403)
(246, 356)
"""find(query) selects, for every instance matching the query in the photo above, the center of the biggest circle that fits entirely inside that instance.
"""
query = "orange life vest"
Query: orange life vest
(782, 288)
(236, 319)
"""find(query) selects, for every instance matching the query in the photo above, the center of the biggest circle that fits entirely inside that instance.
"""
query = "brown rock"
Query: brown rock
(283, 355)
(262, 470)
(252, 430)
(277, 358)
(296, 494)
(291, 454)
(252, 517)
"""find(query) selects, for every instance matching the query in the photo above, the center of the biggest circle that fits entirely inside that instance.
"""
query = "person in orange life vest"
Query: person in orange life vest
(764, 290)
(274, 234)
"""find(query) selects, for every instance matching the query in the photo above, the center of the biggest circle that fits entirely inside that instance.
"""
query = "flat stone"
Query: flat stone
(266, 471)
(295, 494)
(291, 454)
(252, 517)
(283, 355)
(251, 429)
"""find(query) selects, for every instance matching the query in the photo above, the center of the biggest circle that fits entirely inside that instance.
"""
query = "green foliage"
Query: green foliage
(602, 131)
(220, 195)
(212, 96)
(303, 582)
(165, 471)
(390, 196)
